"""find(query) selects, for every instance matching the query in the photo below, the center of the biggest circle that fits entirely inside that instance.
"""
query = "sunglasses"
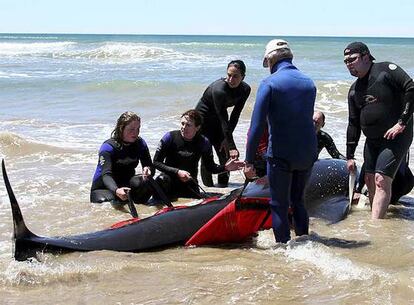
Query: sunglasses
(350, 60)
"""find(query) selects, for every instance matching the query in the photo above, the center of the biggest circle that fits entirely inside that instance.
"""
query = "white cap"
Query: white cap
(274, 45)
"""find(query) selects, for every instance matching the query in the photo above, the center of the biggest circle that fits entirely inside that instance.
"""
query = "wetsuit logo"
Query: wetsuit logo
(101, 160)
(370, 99)
(392, 67)
(185, 154)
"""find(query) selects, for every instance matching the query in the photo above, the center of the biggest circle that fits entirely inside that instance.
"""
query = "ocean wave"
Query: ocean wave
(218, 44)
(33, 48)
(20, 37)
(11, 74)
(130, 52)
(14, 145)
(135, 52)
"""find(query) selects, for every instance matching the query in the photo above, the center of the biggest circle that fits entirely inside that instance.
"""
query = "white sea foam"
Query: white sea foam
(109, 51)
(11, 74)
(33, 48)
(329, 263)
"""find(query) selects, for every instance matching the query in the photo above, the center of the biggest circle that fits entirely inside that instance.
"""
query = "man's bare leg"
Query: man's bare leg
(382, 196)
(370, 183)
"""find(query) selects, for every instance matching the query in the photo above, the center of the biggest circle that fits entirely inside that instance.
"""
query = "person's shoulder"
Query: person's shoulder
(169, 135)
(109, 145)
(245, 86)
(141, 142)
(202, 141)
(387, 66)
(324, 134)
(219, 86)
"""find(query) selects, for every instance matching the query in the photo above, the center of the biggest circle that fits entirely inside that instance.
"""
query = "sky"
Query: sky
(380, 18)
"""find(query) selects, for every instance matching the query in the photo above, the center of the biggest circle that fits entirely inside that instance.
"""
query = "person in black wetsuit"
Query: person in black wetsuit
(118, 157)
(217, 127)
(324, 139)
(178, 155)
(380, 104)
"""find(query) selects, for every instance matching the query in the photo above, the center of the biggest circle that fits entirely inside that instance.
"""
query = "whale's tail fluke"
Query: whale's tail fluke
(20, 229)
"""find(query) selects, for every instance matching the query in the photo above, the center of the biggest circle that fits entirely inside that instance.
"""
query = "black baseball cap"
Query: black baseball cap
(358, 47)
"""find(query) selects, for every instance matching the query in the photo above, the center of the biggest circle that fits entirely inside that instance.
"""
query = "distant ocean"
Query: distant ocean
(60, 96)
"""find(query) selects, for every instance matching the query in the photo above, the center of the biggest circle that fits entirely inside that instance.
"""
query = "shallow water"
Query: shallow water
(60, 98)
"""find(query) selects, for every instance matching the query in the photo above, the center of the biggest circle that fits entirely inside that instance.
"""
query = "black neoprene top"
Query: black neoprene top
(377, 102)
(174, 153)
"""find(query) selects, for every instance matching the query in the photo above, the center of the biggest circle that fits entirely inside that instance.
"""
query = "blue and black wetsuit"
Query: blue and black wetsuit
(174, 153)
(376, 103)
(286, 100)
(116, 168)
(216, 123)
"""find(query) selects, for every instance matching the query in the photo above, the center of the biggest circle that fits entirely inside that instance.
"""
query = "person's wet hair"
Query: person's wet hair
(125, 118)
(194, 116)
(239, 65)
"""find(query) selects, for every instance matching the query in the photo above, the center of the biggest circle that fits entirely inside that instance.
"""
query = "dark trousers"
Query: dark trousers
(207, 177)
(174, 188)
(287, 188)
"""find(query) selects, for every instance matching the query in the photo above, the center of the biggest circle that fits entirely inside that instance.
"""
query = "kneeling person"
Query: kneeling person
(178, 155)
(118, 157)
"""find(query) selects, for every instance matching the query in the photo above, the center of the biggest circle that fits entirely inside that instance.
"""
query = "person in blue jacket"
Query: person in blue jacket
(285, 101)
(118, 157)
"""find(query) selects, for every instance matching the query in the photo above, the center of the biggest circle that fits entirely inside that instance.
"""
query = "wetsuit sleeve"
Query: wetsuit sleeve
(235, 115)
(219, 101)
(146, 157)
(258, 121)
(353, 131)
(105, 159)
(161, 155)
(403, 82)
(208, 159)
(330, 146)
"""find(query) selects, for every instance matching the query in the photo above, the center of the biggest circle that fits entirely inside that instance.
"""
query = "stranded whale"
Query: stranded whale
(231, 218)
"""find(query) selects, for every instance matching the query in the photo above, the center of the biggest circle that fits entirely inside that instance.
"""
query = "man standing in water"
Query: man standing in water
(285, 101)
(380, 104)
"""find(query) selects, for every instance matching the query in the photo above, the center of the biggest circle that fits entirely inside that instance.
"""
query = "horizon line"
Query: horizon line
(224, 35)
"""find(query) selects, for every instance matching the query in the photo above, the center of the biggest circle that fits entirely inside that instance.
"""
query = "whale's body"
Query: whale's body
(234, 217)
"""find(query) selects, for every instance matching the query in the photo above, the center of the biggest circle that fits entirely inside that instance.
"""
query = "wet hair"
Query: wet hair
(194, 116)
(239, 65)
(125, 118)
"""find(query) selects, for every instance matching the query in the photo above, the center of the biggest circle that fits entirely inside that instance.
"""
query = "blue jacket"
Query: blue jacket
(285, 100)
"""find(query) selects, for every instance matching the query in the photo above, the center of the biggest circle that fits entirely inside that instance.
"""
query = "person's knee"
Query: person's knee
(136, 181)
(382, 181)
(140, 189)
(100, 196)
(164, 181)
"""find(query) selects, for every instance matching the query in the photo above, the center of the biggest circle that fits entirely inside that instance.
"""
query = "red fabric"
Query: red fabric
(231, 225)
(263, 143)
(124, 223)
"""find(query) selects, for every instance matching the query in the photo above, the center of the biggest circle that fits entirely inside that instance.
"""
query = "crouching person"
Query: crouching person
(118, 157)
(178, 155)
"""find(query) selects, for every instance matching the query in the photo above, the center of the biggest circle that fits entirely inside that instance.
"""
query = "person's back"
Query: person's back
(285, 102)
(290, 115)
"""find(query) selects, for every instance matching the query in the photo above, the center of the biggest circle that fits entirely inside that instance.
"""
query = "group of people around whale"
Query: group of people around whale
(284, 137)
